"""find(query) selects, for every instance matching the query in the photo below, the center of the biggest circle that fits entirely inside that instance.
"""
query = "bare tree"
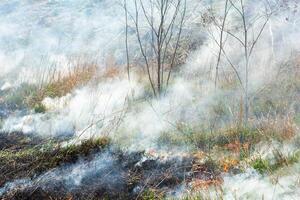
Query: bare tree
(126, 39)
(221, 41)
(246, 33)
(249, 42)
(158, 25)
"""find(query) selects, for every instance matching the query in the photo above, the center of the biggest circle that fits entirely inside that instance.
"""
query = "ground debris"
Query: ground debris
(107, 173)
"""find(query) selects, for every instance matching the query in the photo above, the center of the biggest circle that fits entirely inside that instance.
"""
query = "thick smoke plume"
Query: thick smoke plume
(40, 36)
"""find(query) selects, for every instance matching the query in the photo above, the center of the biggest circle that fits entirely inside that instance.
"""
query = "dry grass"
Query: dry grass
(58, 84)
(279, 128)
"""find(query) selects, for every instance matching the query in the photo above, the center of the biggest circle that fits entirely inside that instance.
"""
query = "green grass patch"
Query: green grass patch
(204, 139)
(39, 108)
(150, 194)
(266, 166)
(260, 165)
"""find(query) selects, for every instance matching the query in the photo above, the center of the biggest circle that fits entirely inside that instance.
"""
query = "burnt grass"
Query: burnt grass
(17, 140)
(132, 175)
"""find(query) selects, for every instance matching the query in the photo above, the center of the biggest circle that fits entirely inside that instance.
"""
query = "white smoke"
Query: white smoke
(59, 29)
(251, 185)
(46, 32)
(102, 168)
(187, 99)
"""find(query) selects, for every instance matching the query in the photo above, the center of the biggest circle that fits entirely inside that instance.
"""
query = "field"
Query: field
(170, 99)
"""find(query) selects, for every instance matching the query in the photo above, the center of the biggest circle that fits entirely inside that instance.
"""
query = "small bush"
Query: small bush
(150, 194)
(260, 165)
(293, 157)
(19, 98)
(39, 108)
